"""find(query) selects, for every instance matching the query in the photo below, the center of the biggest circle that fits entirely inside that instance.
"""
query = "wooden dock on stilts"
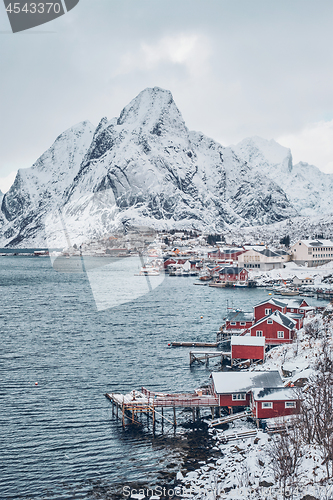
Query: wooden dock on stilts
(153, 404)
(205, 356)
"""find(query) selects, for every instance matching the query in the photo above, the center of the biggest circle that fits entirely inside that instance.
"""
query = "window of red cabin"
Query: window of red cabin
(268, 312)
(242, 323)
(233, 323)
(259, 333)
(280, 335)
(269, 321)
(290, 404)
(239, 396)
(267, 405)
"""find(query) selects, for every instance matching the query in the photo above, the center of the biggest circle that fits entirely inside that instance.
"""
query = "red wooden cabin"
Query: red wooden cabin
(233, 274)
(238, 320)
(274, 402)
(233, 388)
(266, 308)
(277, 328)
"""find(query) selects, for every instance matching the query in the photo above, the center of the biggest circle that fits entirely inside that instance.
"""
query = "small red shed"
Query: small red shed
(247, 347)
(274, 402)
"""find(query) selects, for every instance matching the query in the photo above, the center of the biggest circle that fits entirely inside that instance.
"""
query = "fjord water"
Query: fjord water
(58, 439)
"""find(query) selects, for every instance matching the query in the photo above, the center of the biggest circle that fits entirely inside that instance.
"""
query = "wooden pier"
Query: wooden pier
(130, 407)
(230, 418)
(205, 356)
(225, 438)
(193, 344)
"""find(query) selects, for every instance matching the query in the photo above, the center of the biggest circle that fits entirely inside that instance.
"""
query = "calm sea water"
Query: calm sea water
(58, 439)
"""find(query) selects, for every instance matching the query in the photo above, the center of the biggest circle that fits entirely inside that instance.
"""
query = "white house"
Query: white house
(312, 252)
(263, 258)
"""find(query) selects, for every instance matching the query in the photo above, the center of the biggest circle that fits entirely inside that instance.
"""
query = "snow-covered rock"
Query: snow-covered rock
(144, 167)
(308, 189)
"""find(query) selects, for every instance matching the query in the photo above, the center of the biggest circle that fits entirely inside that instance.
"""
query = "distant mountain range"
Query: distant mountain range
(145, 167)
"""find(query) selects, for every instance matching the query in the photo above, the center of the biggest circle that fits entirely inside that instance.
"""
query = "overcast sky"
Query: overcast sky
(236, 68)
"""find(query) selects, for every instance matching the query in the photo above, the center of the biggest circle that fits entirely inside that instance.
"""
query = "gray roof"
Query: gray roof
(232, 382)
(239, 316)
(277, 302)
(278, 317)
(295, 302)
(268, 253)
(281, 252)
(275, 394)
(231, 270)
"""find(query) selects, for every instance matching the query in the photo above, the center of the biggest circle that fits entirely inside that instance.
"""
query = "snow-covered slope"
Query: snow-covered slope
(39, 189)
(144, 166)
(309, 189)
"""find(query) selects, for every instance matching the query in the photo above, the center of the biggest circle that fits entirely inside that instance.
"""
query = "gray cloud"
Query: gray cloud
(235, 68)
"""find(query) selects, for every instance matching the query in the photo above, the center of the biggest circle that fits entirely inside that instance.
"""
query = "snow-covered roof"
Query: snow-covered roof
(232, 382)
(307, 373)
(277, 302)
(269, 253)
(274, 394)
(247, 340)
(294, 303)
(317, 243)
(239, 315)
(278, 317)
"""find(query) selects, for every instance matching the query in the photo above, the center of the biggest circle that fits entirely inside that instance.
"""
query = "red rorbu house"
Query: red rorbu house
(238, 320)
(267, 307)
(277, 328)
(247, 347)
(234, 388)
(295, 308)
(274, 402)
(226, 254)
(233, 274)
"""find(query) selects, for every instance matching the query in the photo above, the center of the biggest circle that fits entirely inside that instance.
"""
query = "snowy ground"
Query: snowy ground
(244, 469)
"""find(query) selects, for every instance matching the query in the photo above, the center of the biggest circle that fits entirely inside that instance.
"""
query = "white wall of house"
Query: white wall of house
(312, 254)
(251, 259)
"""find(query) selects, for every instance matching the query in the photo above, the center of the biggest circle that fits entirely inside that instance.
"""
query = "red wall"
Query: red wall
(259, 311)
(270, 332)
(247, 352)
(237, 326)
(226, 400)
(278, 409)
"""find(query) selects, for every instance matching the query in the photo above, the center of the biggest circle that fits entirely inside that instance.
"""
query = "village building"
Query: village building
(234, 388)
(225, 254)
(294, 305)
(247, 347)
(238, 320)
(266, 308)
(233, 274)
(302, 281)
(274, 402)
(312, 252)
(263, 259)
(277, 328)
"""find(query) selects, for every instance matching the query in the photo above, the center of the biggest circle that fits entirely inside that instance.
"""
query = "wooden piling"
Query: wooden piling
(174, 417)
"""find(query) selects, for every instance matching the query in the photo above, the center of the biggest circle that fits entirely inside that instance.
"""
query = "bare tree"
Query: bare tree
(285, 451)
(316, 417)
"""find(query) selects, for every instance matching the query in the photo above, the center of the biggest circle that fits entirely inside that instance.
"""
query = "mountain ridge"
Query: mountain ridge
(146, 167)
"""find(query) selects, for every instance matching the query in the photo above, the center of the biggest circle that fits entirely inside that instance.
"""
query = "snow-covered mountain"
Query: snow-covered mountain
(308, 188)
(145, 167)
